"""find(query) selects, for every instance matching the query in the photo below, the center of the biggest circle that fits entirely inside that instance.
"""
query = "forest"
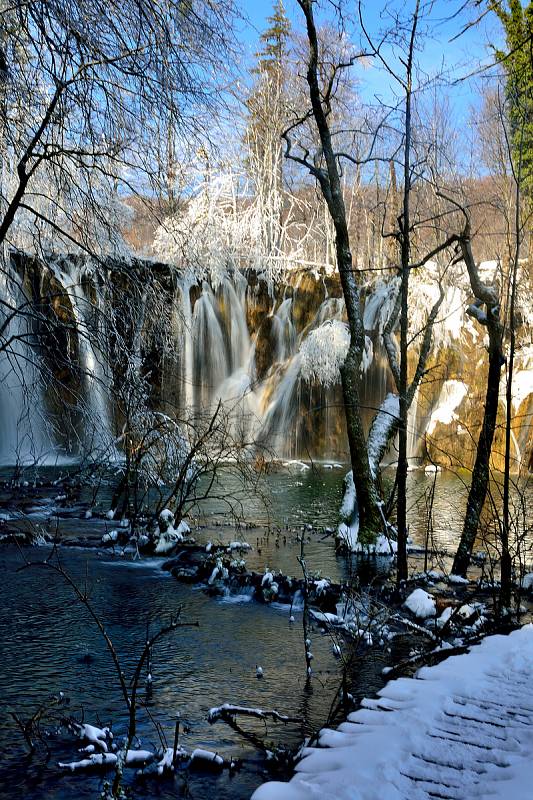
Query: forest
(266, 399)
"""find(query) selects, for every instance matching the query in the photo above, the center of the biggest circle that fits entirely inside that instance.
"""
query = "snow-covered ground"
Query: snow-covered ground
(461, 729)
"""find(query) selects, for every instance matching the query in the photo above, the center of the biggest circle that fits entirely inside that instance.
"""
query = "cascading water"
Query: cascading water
(210, 354)
(283, 332)
(25, 437)
(184, 337)
(217, 354)
(234, 300)
(95, 370)
(217, 357)
(236, 342)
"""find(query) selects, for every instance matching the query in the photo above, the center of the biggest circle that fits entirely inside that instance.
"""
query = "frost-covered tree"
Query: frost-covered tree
(96, 80)
(267, 111)
(85, 89)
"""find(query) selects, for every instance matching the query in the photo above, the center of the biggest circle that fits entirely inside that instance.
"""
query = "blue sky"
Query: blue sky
(459, 57)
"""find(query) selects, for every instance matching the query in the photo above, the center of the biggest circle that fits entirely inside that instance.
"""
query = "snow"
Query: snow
(165, 763)
(466, 611)
(421, 604)
(451, 396)
(488, 270)
(230, 710)
(325, 616)
(95, 760)
(382, 424)
(460, 729)
(200, 756)
(323, 352)
(431, 469)
(522, 386)
(99, 737)
(166, 516)
(168, 536)
(458, 580)
(349, 498)
(239, 546)
(218, 569)
(383, 546)
(349, 535)
(445, 616)
(348, 531)
(379, 305)
(267, 579)
(183, 528)
(301, 465)
(435, 575)
(167, 541)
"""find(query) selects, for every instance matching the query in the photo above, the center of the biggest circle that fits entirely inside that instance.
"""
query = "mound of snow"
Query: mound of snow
(421, 604)
(458, 579)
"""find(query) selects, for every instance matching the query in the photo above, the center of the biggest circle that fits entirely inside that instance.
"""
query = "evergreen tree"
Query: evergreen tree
(274, 39)
(267, 119)
(517, 60)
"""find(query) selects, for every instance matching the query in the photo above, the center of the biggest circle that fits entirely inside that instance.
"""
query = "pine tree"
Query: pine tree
(517, 60)
(271, 56)
(267, 118)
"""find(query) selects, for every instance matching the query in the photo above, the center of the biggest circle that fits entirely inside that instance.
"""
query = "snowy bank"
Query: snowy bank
(460, 729)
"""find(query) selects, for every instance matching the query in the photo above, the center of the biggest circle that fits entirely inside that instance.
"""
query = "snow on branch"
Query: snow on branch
(383, 427)
(475, 310)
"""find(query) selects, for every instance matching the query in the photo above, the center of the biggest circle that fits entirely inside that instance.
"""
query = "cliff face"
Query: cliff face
(240, 341)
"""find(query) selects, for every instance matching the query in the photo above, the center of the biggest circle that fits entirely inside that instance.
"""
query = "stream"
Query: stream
(48, 643)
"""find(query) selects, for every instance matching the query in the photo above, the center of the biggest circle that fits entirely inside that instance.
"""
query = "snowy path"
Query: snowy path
(462, 729)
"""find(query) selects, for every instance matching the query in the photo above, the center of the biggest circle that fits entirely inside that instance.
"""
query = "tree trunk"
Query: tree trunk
(365, 488)
(329, 179)
(405, 238)
(481, 471)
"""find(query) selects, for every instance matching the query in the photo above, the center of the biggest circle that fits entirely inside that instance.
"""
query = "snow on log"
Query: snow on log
(227, 710)
(101, 738)
(165, 762)
(134, 758)
(206, 759)
(383, 427)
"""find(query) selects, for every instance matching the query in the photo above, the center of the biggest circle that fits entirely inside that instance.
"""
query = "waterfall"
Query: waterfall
(234, 298)
(185, 343)
(331, 308)
(216, 336)
(278, 420)
(25, 438)
(413, 434)
(210, 359)
(283, 331)
(96, 373)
